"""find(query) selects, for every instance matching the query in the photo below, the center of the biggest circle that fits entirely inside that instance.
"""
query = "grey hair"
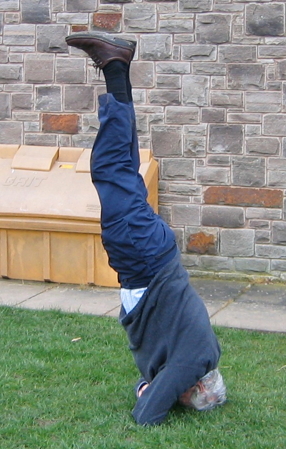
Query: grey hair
(213, 392)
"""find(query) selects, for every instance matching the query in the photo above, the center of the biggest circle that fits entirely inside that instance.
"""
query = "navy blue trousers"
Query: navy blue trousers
(138, 242)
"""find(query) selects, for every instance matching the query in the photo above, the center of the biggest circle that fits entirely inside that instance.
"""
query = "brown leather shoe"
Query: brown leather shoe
(103, 48)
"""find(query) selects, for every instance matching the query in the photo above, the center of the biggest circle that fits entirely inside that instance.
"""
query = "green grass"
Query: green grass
(59, 394)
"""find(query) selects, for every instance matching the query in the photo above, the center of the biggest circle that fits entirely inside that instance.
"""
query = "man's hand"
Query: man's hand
(143, 388)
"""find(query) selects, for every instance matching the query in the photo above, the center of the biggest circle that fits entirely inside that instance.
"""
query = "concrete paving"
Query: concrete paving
(230, 303)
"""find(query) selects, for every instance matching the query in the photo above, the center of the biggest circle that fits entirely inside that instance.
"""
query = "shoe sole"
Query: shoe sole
(124, 43)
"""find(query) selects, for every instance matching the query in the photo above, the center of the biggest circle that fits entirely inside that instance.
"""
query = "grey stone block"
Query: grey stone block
(237, 53)
(172, 67)
(70, 70)
(246, 76)
(176, 23)
(186, 214)
(195, 5)
(90, 123)
(142, 74)
(79, 98)
(279, 233)
(39, 68)
(278, 265)
(49, 140)
(213, 175)
(263, 101)
(226, 139)
(166, 213)
(249, 171)
(284, 147)
(16, 58)
(9, 5)
(272, 51)
(3, 54)
(115, 1)
(58, 6)
(31, 127)
(83, 140)
(142, 121)
(227, 99)
(281, 70)
(259, 224)
(22, 101)
(177, 169)
(262, 236)
(218, 82)
(216, 263)
(180, 115)
(212, 115)
(237, 242)
(263, 145)
(35, 11)
(194, 146)
(48, 98)
(51, 38)
(271, 251)
(208, 68)
(73, 18)
(195, 90)
(277, 163)
(164, 97)
(5, 106)
(11, 132)
(261, 213)
(252, 130)
(12, 17)
(168, 198)
(252, 265)
(242, 117)
(274, 125)
(20, 34)
(265, 20)
(190, 261)
(155, 47)
(185, 188)
(80, 6)
(166, 140)
(213, 28)
(218, 160)
(223, 216)
(196, 52)
(10, 73)
(140, 17)
(64, 141)
(196, 130)
(168, 81)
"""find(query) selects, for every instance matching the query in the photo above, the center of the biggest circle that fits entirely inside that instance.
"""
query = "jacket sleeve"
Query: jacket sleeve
(153, 405)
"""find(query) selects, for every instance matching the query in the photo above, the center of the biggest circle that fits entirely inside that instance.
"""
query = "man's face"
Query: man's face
(185, 398)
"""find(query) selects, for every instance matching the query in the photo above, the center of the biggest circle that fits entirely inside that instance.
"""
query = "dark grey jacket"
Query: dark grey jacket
(171, 339)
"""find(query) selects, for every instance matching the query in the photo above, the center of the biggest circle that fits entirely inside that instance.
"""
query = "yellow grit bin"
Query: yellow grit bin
(50, 215)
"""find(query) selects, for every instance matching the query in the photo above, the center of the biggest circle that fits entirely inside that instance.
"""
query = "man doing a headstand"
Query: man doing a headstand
(167, 324)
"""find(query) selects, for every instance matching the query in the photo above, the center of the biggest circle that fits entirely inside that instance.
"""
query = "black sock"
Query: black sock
(128, 85)
(115, 73)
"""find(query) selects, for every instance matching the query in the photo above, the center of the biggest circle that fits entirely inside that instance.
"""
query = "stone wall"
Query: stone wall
(209, 81)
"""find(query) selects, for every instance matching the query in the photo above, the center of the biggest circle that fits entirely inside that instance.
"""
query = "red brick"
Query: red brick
(106, 21)
(242, 196)
(202, 243)
(60, 123)
(77, 28)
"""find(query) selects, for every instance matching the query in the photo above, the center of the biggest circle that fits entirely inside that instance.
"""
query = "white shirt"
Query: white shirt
(131, 297)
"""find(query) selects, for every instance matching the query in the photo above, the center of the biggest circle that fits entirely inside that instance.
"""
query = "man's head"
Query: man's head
(208, 392)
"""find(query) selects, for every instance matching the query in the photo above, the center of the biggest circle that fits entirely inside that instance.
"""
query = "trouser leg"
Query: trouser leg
(138, 241)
